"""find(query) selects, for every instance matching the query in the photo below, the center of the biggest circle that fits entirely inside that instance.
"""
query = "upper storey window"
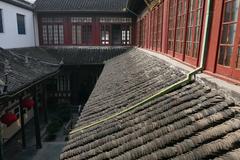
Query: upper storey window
(228, 32)
(229, 42)
(52, 31)
(21, 24)
(1, 23)
(81, 30)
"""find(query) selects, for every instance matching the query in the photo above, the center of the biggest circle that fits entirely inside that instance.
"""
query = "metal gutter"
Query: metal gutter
(168, 89)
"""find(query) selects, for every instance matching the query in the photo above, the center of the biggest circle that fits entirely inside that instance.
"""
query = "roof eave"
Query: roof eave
(19, 4)
(78, 11)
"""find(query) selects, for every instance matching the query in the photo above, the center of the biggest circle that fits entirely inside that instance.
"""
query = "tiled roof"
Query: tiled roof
(81, 5)
(73, 55)
(85, 55)
(20, 3)
(23, 70)
(193, 122)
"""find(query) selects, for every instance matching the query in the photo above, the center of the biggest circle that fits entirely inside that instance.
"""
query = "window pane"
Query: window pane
(61, 34)
(224, 34)
(50, 34)
(79, 36)
(228, 56)
(227, 12)
(55, 30)
(45, 37)
(1, 23)
(73, 34)
(235, 10)
(221, 55)
(232, 31)
(21, 24)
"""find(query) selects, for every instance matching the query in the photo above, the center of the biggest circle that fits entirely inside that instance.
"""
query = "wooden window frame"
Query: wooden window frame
(155, 28)
(1, 21)
(232, 69)
(160, 27)
(51, 36)
(127, 30)
(21, 26)
(181, 26)
(103, 27)
(172, 26)
(86, 30)
(193, 57)
(179, 44)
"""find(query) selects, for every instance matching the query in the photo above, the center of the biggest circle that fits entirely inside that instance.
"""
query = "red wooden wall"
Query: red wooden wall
(52, 27)
(178, 33)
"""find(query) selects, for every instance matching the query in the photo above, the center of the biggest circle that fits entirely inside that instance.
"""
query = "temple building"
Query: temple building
(85, 23)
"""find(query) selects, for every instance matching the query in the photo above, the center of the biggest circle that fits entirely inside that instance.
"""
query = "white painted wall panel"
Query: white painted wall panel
(10, 37)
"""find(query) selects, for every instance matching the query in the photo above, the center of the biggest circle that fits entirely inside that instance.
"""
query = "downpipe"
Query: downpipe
(190, 77)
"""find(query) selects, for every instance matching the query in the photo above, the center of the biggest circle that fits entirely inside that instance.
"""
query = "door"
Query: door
(116, 34)
(105, 34)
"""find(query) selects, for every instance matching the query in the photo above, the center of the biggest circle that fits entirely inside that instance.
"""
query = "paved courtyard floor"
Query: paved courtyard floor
(50, 150)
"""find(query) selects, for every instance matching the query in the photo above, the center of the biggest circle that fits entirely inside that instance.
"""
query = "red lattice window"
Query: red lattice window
(52, 31)
(171, 27)
(126, 35)
(160, 27)
(228, 31)
(155, 27)
(81, 30)
(194, 27)
(181, 26)
(229, 42)
(105, 34)
(81, 34)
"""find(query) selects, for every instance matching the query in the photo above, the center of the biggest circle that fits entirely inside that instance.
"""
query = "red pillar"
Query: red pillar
(214, 36)
(96, 32)
(165, 26)
(67, 31)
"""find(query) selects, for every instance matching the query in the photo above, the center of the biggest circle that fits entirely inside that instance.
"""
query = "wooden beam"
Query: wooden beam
(44, 102)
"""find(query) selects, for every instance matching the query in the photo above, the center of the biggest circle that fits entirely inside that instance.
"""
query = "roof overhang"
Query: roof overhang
(20, 4)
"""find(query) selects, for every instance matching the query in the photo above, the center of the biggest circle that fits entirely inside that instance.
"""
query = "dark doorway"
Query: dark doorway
(73, 84)
(116, 34)
(83, 80)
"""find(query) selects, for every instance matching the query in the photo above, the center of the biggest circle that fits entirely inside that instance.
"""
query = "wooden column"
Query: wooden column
(165, 26)
(44, 103)
(36, 120)
(1, 143)
(22, 123)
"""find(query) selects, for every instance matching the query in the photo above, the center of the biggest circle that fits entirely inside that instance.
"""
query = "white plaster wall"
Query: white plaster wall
(10, 37)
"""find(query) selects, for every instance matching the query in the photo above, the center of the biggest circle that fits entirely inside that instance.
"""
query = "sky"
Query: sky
(32, 1)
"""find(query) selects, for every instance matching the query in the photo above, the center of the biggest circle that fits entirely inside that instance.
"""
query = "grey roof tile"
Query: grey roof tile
(81, 5)
(85, 55)
(22, 72)
(193, 122)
